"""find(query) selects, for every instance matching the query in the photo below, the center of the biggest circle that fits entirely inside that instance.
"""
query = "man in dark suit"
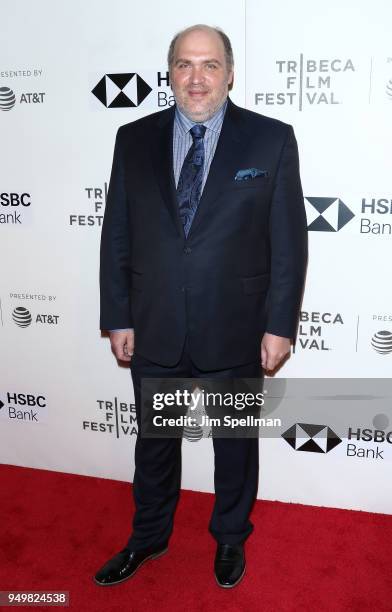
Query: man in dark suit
(203, 256)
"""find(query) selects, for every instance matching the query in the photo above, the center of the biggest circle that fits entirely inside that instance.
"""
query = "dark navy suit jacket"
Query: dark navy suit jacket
(241, 270)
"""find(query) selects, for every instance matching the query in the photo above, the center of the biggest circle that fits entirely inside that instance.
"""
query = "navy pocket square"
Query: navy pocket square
(249, 173)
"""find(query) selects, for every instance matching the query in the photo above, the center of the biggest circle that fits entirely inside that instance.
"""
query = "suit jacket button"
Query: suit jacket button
(187, 250)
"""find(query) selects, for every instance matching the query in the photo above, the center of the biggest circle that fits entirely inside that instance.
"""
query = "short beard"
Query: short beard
(200, 117)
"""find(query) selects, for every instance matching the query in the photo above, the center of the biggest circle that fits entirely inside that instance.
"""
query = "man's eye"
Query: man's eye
(211, 66)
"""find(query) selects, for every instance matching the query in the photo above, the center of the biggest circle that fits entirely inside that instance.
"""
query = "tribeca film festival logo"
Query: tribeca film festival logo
(130, 90)
(13, 208)
(96, 200)
(115, 417)
(27, 407)
(307, 82)
(312, 328)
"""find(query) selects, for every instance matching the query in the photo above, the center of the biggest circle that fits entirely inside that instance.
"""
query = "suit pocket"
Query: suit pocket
(255, 284)
(260, 182)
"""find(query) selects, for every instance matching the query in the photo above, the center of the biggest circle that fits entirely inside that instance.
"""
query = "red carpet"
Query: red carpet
(58, 529)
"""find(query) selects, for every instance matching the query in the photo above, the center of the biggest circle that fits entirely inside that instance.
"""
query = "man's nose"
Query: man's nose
(196, 74)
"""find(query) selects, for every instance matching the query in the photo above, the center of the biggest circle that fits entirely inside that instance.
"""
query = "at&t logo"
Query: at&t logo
(7, 99)
(382, 342)
(23, 318)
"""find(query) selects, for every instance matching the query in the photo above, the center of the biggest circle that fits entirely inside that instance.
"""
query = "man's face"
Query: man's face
(199, 76)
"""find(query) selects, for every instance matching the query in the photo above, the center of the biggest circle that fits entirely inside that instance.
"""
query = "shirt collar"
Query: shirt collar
(214, 123)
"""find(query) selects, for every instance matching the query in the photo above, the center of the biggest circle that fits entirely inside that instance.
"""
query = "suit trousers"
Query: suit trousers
(157, 478)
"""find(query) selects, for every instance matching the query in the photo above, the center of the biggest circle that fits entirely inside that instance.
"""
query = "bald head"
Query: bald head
(228, 51)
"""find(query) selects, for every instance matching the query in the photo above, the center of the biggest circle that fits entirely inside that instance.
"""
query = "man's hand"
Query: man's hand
(273, 350)
(123, 343)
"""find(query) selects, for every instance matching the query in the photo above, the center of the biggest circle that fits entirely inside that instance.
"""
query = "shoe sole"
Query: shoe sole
(153, 556)
(230, 586)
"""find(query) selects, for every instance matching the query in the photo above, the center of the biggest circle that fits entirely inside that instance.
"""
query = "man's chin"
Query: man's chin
(197, 115)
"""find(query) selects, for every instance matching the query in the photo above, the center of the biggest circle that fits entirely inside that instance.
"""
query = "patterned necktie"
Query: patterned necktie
(191, 178)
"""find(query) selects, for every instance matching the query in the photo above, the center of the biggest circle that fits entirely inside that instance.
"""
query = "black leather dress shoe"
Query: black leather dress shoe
(229, 565)
(125, 564)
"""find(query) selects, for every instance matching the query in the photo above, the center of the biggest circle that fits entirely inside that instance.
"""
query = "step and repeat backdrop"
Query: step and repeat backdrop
(70, 74)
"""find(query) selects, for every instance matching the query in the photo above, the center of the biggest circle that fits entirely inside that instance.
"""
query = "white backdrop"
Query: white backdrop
(66, 405)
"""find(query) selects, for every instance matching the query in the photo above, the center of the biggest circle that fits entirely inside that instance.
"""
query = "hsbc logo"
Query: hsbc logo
(26, 407)
(123, 90)
(327, 214)
(15, 199)
(311, 438)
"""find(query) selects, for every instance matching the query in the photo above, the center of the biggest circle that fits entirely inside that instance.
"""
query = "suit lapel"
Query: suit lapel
(162, 159)
(225, 162)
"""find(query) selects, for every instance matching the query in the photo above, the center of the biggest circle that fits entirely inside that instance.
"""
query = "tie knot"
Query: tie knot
(198, 131)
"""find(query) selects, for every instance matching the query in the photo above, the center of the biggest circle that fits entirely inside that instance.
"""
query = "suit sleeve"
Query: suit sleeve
(115, 252)
(288, 243)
